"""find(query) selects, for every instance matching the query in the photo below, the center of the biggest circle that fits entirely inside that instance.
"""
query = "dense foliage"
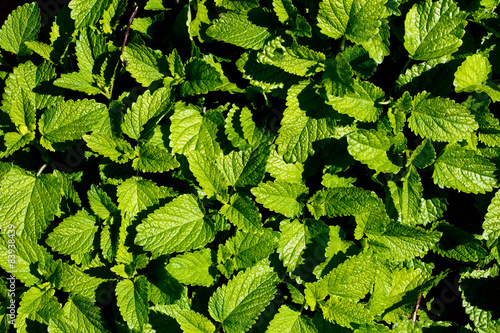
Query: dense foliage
(244, 165)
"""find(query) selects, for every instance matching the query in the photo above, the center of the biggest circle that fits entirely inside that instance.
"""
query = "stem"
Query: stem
(405, 67)
(342, 44)
(41, 169)
(128, 28)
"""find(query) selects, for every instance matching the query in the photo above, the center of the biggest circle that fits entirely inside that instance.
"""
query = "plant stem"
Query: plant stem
(41, 169)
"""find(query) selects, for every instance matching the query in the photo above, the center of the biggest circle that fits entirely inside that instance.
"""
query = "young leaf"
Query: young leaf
(22, 25)
(370, 147)
(79, 81)
(136, 194)
(279, 169)
(69, 120)
(144, 64)
(28, 202)
(79, 314)
(292, 243)
(189, 320)
(408, 198)
(117, 150)
(238, 303)
(153, 158)
(74, 235)
(87, 13)
(178, 226)
(281, 197)
(201, 77)
(434, 29)
(132, 301)
(288, 321)
(193, 268)
(236, 28)
(464, 170)
(345, 312)
(37, 304)
(472, 75)
(491, 224)
(440, 119)
(242, 212)
(358, 20)
(209, 177)
(146, 112)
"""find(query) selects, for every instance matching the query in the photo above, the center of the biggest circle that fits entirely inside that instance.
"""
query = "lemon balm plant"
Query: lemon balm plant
(251, 166)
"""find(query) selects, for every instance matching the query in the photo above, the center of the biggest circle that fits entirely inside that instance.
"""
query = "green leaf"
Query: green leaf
(245, 249)
(244, 168)
(292, 243)
(345, 312)
(87, 13)
(190, 131)
(153, 158)
(440, 119)
(189, 320)
(193, 268)
(360, 103)
(298, 131)
(296, 59)
(424, 155)
(22, 25)
(201, 78)
(178, 226)
(79, 81)
(69, 120)
(238, 303)
(472, 74)
(491, 224)
(132, 301)
(210, 178)
(464, 170)
(458, 244)
(146, 112)
(408, 198)
(242, 212)
(28, 202)
(15, 141)
(237, 29)
(79, 314)
(144, 64)
(371, 147)
(358, 20)
(38, 304)
(434, 29)
(74, 236)
(284, 9)
(136, 194)
(400, 242)
(279, 169)
(117, 150)
(42, 49)
(281, 197)
(290, 321)
(21, 102)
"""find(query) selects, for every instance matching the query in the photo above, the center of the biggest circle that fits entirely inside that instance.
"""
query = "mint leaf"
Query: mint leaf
(238, 303)
(193, 268)
(371, 147)
(244, 168)
(15, 141)
(292, 243)
(132, 300)
(491, 226)
(279, 169)
(69, 120)
(356, 19)
(178, 226)
(136, 194)
(29, 202)
(201, 77)
(78, 313)
(236, 28)
(472, 75)
(281, 197)
(21, 26)
(144, 64)
(37, 304)
(79, 81)
(146, 112)
(242, 212)
(408, 198)
(189, 320)
(74, 236)
(87, 13)
(211, 180)
(434, 29)
(118, 150)
(440, 119)
(345, 312)
(289, 320)
(153, 159)
(464, 170)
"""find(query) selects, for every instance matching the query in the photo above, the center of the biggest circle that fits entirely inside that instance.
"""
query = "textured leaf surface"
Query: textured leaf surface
(408, 198)
(281, 197)
(491, 224)
(345, 312)
(153, 158)
(244, 168)
(472, 72)
(178, 226)
(117, 150)
(242, 212)
(464, 170)
(70, 120)
(235, 28)
(288, 321)
(87, 13)
(358, 20)
(37, 304)
(74, 235)
(28, 202)
(192, 268)
(238, 303)
(371, 147)
(190, 321)
(210, 178)
(144, 64)
(201, 77)
(292, 243)
(440, 119)
(132, 301)
(279, 169)
(21, 26)
(434, 29)
(136, 194)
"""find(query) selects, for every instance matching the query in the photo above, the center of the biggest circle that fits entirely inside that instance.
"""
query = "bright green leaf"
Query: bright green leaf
(193, 268)
(281, 197)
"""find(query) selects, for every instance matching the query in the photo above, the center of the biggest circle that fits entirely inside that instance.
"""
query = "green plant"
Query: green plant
(264, 166)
